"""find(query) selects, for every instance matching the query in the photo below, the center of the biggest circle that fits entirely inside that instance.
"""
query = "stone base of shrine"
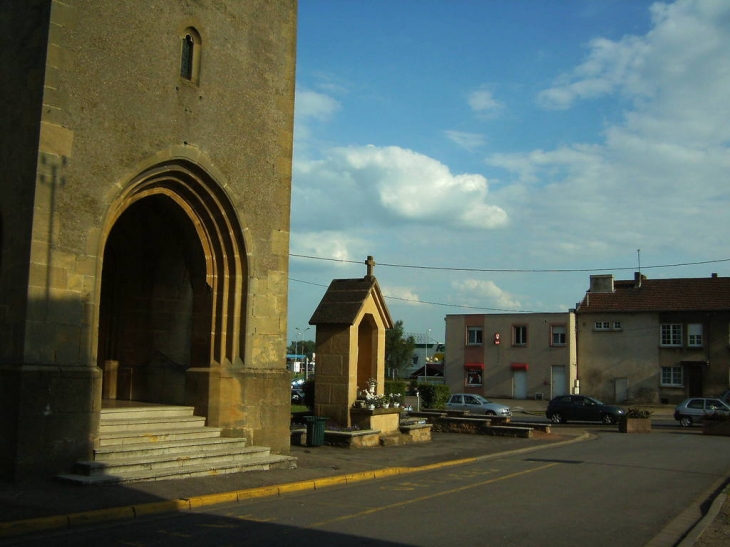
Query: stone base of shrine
(385, 420)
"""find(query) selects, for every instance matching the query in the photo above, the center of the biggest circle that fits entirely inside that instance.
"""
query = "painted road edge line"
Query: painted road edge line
(74, 520)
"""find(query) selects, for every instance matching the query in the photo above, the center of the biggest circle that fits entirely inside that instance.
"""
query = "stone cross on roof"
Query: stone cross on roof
(371, 267)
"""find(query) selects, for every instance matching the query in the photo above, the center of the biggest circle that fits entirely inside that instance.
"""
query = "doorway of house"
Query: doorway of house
(621, 390)
(519, 384)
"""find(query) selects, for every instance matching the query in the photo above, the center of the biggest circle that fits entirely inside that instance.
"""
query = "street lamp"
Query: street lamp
(425, 366)
(296, 349)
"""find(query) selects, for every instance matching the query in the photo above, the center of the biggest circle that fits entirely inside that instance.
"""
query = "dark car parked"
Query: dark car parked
(297, 396)
(583, 409)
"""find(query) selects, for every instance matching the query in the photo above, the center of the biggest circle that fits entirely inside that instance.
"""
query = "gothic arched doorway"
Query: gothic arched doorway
(155, 303)
(172, 297)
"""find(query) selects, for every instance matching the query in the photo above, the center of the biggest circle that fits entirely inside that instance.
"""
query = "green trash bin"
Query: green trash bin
(315, 430)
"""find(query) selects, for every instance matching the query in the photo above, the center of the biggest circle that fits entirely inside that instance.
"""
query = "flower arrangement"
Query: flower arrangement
(636, 412)
(396, 399)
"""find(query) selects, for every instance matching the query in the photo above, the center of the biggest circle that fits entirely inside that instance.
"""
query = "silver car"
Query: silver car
(476, 404)
(693, 409)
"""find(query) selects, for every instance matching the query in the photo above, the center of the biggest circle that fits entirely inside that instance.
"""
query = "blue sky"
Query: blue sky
(507, 150)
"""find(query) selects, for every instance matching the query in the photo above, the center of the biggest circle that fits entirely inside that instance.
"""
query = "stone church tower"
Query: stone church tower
(145, 175)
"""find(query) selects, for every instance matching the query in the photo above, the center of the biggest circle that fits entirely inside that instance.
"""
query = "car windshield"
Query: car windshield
(481, 399)
(594, 400)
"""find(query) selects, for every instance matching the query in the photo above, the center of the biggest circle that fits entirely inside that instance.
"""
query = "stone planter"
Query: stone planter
(634, 425)
(716, 427)
(385, 420)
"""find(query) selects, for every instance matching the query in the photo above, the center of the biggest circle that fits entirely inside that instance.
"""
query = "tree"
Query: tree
(398, 350)
(302, 347)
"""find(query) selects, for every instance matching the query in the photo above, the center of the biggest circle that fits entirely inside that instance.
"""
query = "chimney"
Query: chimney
(602, 283)
(714, 276)
(638, 278)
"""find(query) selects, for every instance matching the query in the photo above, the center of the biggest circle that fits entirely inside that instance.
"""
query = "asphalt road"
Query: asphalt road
(615, 490)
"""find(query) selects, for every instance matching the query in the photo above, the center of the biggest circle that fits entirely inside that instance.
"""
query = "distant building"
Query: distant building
(654, 340)
(517, 356)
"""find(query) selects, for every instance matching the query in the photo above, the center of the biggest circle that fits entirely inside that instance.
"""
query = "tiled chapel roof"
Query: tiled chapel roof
(661, 295)
(345, 298)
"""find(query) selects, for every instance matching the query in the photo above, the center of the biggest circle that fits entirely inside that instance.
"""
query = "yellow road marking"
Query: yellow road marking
(427, 497)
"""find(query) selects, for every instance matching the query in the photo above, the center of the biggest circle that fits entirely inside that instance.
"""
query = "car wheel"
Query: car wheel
(557, 418)
(490, 413)
(608, 419)
(686, 421)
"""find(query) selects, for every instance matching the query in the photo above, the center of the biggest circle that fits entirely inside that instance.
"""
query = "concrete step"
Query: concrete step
(181, 446)
(122, 466)
(157, 442)
(160, 435)
(272, 461)
(150, 424)
(148, 411)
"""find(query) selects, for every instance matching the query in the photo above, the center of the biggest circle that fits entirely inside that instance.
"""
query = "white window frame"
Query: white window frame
(694, 335)
(558, 330)
(602, 325)
(672, 377)
(515, 330)
(478, 336)
(617, 325)
(670, 335)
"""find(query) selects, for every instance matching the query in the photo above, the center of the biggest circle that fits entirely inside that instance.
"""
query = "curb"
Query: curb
(76, 520)
(696, 532)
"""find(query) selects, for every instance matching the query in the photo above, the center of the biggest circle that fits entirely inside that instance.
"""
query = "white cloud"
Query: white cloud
(485, 293)
(382, 184)
(660, 170)
(468, 141)
(331, 244)
(313, 105)
(668, 68)
(483, 103)
(404, 295)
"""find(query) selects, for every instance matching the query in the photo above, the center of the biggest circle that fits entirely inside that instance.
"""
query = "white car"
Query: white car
(476, 404)
(693, 409)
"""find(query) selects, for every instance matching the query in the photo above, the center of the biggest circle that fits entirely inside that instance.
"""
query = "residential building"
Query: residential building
(654, 340)
(530, 355)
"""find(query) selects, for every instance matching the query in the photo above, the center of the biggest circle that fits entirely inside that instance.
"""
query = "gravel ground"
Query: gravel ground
(718, 533)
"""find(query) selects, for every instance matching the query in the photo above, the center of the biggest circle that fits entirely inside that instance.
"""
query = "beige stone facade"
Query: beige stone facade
(351, 321)
(144, 217)
(654, 340)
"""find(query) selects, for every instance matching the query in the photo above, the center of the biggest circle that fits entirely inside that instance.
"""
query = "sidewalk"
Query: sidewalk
(45, 505)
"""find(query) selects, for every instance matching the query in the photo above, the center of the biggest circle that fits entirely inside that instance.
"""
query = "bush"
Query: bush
(395, 386)
(308, 388)
(433, 396)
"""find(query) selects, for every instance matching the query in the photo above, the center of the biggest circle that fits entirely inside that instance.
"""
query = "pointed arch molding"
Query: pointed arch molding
(222, 238)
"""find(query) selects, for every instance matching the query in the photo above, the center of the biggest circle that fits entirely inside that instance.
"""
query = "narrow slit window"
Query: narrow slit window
(190, 55)
(186, 63)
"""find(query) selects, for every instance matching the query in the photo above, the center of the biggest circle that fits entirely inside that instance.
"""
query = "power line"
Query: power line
(485, 270)
(513, 270)
(414, 301)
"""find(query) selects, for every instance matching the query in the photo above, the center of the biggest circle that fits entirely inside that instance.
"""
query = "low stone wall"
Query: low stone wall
(352, 439)
(480, 426)
(417, 433)
(716, 427)
(367, 438)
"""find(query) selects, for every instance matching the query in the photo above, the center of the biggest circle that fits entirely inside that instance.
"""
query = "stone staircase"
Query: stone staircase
(158, 442)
